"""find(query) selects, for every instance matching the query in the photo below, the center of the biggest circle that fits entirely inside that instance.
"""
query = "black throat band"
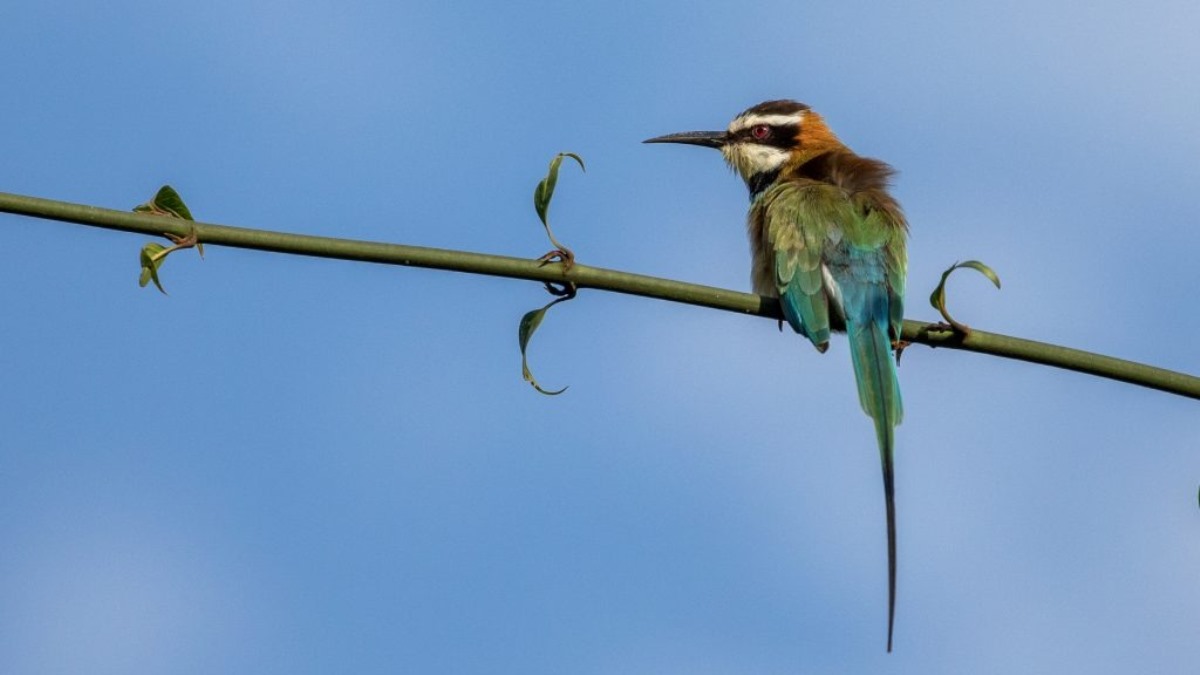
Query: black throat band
(760, 182)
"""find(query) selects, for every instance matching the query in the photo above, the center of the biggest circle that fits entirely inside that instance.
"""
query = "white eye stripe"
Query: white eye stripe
(770, 120)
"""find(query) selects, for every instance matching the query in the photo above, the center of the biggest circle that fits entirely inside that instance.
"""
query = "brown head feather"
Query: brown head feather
(814, 138)
(780, 107)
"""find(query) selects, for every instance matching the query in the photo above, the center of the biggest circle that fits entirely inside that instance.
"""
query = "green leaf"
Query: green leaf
(169, 200)
(938, 297)
(169, 204)
(529, 324)
(544, 191)
(166, 202)
(151, 259)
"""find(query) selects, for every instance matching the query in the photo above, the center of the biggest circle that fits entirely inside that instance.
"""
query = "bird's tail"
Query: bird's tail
(879, 393)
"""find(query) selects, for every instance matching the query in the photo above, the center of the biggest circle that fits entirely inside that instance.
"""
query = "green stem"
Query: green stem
(584, 276)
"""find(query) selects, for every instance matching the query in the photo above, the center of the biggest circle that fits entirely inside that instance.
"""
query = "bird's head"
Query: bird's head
(761, 141)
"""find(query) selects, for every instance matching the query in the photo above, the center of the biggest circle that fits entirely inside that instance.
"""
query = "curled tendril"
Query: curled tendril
(938, 298)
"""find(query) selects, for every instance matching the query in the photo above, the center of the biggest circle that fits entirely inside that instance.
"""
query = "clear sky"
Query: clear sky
(307, 466)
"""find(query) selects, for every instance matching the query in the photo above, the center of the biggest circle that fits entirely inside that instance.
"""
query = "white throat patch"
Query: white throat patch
(749, 159)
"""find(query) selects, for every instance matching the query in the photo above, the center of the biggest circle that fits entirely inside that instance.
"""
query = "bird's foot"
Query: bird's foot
(899, 346)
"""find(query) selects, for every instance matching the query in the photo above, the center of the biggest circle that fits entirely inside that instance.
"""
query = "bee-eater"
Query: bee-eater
(828, 241)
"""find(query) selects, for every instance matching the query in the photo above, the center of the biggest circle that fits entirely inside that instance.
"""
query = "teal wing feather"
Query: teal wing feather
(800, 223)
(837, 258)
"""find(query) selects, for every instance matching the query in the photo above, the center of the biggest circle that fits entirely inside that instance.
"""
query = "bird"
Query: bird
(830, 242)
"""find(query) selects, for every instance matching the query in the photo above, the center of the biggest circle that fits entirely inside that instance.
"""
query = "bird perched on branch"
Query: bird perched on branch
(829, 242)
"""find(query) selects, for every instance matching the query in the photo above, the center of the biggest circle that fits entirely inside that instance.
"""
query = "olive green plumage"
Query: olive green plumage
(830, 242)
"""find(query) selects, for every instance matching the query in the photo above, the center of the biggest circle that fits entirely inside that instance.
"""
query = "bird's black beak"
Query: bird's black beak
(709, 139)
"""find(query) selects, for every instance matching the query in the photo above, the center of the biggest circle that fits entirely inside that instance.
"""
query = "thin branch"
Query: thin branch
(584, 276)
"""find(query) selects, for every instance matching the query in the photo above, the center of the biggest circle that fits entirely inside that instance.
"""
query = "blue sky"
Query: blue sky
(303, 466)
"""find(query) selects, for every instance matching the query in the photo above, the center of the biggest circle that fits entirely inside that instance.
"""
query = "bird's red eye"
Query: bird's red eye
(760, 131)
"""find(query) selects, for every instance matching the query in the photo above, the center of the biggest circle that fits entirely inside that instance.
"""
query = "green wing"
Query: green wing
(811, 225)
(802, 221)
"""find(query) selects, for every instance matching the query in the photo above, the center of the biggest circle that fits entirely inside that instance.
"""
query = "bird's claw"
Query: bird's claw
(899, 346)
